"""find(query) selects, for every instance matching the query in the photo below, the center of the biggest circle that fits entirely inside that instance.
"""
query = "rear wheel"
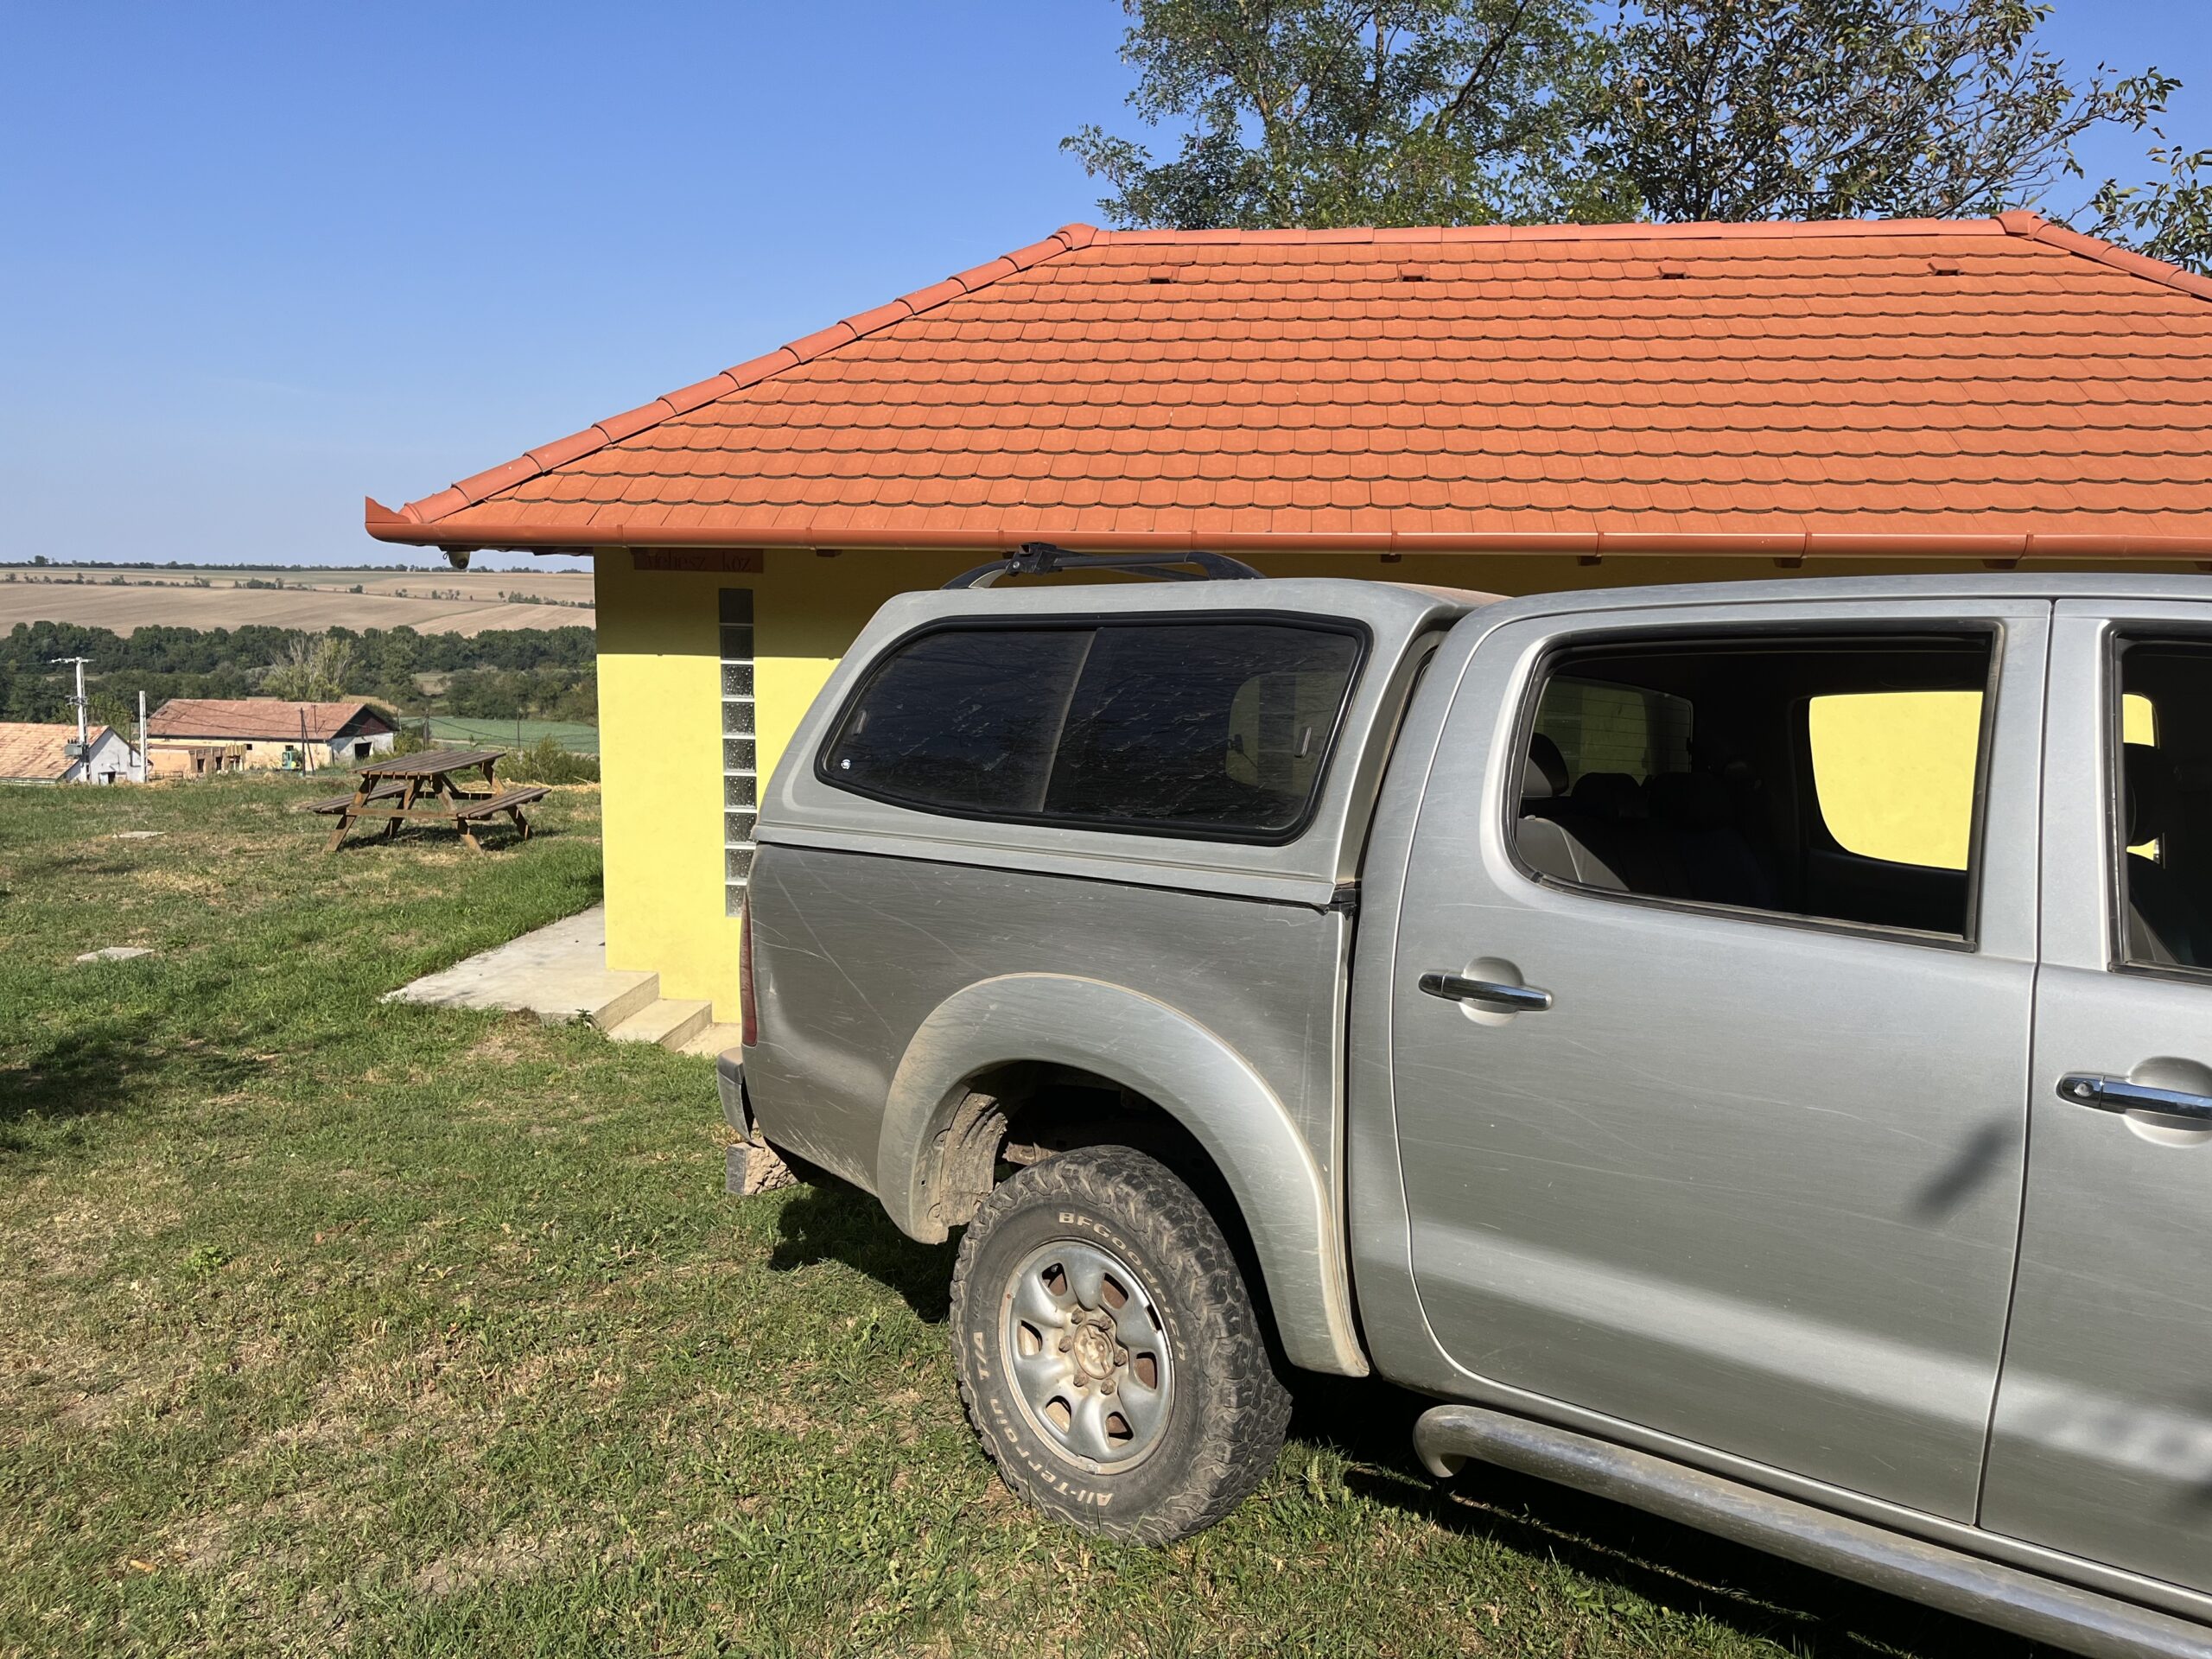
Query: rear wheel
(1109, 1354)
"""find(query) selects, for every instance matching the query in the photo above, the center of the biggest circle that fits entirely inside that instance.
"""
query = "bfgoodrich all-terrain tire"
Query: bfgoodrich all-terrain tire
(1109, 1354)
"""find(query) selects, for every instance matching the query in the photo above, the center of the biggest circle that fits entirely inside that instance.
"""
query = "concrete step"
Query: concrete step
(669, 1023)
(558, 973)
(611, 997)
(714, 1040)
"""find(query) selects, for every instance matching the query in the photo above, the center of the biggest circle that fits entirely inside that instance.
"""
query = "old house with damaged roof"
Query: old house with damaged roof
(191, 737)
(1510, 410)
(37, 754)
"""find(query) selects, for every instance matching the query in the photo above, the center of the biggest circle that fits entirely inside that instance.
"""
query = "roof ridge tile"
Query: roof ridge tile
(2036, 227)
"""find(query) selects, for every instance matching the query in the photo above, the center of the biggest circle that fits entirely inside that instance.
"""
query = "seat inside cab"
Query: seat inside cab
(1819, 776)
(2165, 802)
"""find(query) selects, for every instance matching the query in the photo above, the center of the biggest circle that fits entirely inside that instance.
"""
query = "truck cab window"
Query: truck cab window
(1823, 777)
(2161, 826)
(1600, 728)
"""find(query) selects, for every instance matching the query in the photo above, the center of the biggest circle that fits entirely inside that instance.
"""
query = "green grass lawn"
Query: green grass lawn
(571, 734)
(331, 1326)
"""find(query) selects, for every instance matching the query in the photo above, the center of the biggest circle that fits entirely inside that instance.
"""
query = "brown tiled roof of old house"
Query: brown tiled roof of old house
(29, 750)
(270, 719)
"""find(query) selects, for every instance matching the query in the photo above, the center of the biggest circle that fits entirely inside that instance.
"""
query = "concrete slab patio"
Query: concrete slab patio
(559, 973)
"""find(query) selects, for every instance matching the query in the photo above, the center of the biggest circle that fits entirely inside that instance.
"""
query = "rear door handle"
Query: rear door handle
(2118, 1095)
(1514, 998)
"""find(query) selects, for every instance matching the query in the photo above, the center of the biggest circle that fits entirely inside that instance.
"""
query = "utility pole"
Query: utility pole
(145, 766)
(84, 736)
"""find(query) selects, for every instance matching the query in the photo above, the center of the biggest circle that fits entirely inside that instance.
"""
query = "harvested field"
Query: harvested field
(430, 601)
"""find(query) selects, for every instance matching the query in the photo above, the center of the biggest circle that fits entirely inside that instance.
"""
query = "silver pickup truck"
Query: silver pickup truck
(1742, 1050)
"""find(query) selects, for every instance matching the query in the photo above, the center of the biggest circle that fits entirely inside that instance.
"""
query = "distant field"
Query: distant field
(430, 601)
(572, 735)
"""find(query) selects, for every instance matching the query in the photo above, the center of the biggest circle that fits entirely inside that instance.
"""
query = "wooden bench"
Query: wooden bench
(473, 807)
(421, 786)
(329, 804)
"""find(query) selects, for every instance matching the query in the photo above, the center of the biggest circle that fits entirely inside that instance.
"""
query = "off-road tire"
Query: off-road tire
(1227, 1414)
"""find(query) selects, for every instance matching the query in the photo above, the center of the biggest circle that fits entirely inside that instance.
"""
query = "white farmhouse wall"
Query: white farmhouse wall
(112, 760)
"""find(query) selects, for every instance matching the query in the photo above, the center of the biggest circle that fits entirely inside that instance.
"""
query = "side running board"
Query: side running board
(2040, 1608)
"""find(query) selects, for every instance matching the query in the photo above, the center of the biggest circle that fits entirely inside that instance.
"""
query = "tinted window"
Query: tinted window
(1822, 777)
(1209, 728)
(1222, 726)
(2162, 830)
(1601, 727)
(964, 718)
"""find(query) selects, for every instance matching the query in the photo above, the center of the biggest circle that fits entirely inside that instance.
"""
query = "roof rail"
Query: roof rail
(1043, 559)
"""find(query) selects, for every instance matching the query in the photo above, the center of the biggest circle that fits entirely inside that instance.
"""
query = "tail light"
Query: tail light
(748, 1005)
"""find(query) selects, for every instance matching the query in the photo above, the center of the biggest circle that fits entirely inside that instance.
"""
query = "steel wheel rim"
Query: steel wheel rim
(1085, 1347)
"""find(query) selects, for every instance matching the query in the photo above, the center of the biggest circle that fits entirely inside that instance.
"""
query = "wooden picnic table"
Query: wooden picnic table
(423, 786)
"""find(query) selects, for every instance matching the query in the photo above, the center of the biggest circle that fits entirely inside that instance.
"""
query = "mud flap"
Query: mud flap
(737, 1106)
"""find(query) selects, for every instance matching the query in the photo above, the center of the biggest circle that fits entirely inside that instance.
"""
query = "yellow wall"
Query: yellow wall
(660, 735)
(660, 708)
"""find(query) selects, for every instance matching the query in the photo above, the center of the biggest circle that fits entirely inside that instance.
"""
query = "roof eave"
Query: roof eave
(1779, 543)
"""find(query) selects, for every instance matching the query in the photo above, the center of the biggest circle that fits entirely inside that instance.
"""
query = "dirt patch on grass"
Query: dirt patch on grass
(182, 884)
(446, 1392)
(61, 1250)
(89, 1412)
(780, 1417)
(531, 1373)
(511, 1039)
(308, 1434)
(508, 1559)
(414, 1380)
(58, 1370)
(68, 1386)
(207, 1542)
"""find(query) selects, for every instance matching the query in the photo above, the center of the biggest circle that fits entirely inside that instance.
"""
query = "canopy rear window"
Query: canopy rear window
(1208, 727)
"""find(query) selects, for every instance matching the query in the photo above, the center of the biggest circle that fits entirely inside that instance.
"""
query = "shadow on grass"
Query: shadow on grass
(1693, 1574)
(107, 1067)
(828, 1221)
(492, 835)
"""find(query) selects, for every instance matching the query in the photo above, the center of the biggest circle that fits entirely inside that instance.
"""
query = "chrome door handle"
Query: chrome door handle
(2118, 1095)
(1514, 998)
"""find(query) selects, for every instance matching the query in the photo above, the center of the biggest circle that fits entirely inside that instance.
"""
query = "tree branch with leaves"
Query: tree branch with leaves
(1325, 112)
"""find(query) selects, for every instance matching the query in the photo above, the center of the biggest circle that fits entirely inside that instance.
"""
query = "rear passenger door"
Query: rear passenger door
(2102, 1442)
(1683, 1146)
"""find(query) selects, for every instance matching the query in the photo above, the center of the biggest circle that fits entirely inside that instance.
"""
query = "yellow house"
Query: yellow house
(1504, 409)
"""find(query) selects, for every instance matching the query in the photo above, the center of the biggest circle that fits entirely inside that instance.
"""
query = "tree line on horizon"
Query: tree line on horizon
(1319, 113)
(503, 674)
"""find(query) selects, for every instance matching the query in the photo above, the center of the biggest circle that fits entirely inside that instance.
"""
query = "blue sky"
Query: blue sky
(259, 260)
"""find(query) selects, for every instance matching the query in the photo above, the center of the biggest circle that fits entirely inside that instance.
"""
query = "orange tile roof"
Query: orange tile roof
(1985, 387)
(272, 718)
